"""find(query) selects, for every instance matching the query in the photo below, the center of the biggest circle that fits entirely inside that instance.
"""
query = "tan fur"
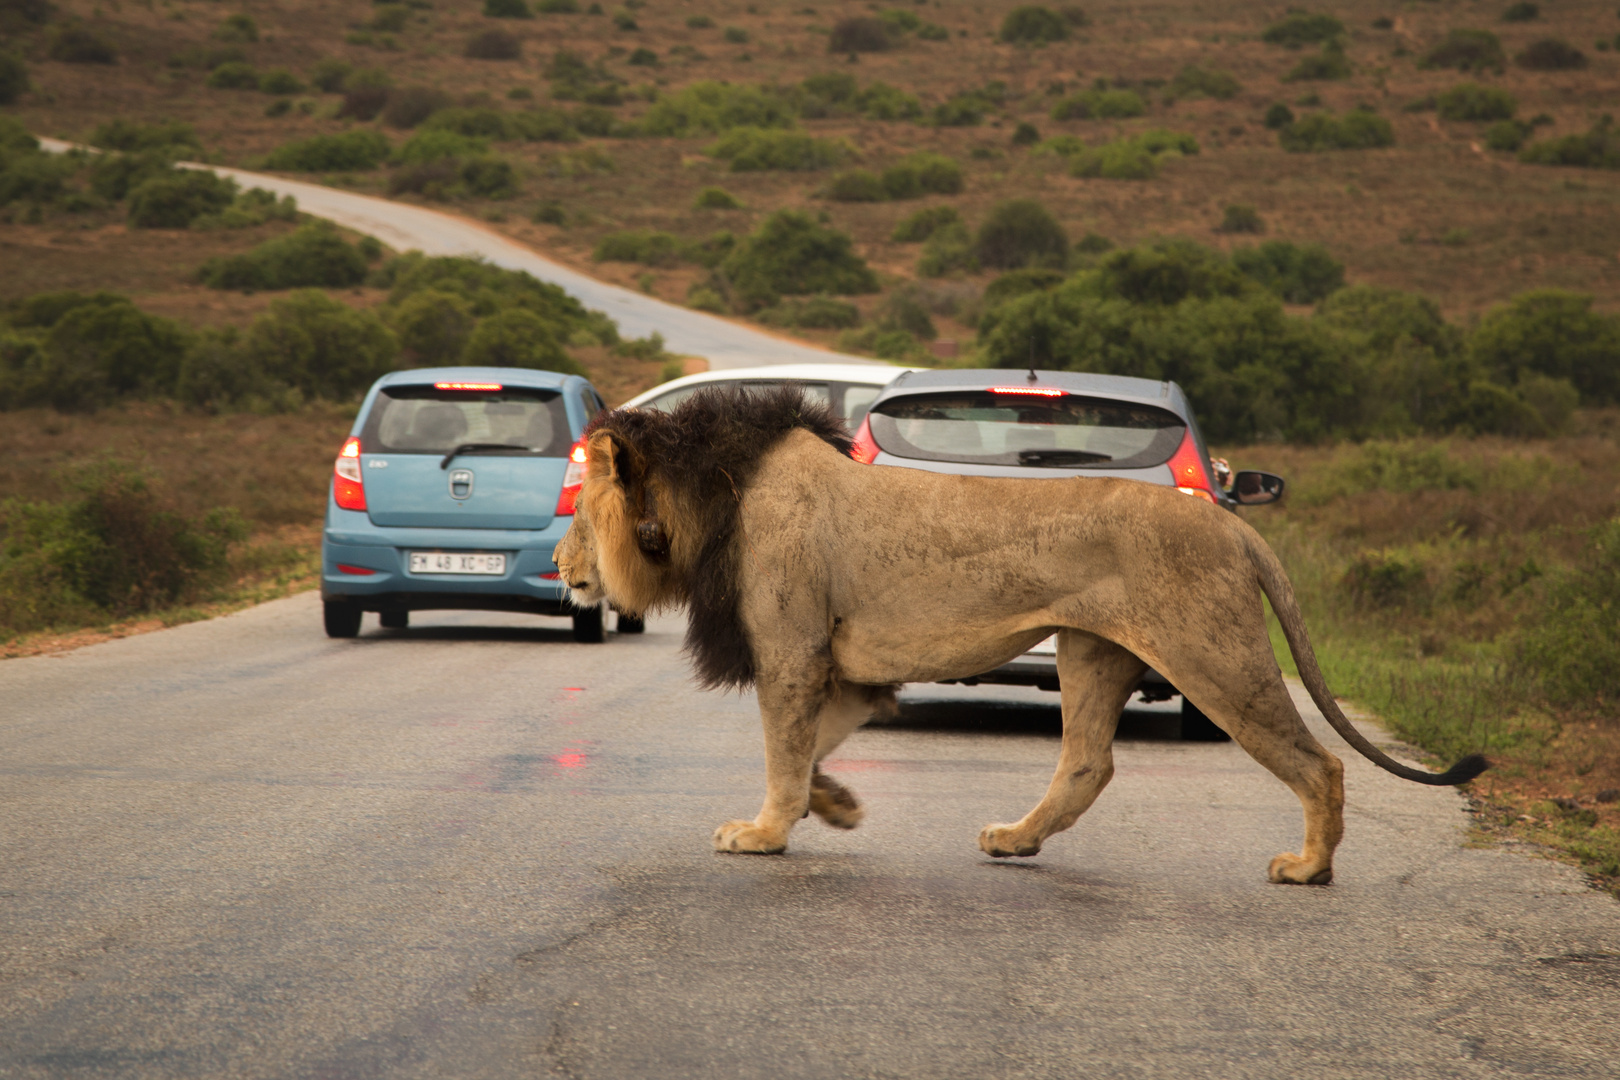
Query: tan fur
(856, 577)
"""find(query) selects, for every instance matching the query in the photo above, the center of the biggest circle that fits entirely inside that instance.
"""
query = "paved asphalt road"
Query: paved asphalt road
(478, 849)
(404, 227)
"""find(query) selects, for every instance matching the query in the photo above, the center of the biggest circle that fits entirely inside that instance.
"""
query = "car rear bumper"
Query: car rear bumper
(351, 545)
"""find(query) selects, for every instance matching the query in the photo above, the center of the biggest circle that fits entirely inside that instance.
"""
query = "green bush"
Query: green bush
(735, 35)
(237, 29)
(490, 289)
(758, 150)
(1599, 148)
(75, 43)
(329, 74)
(518, 338)
(1025, 134)
(699, 22)
(859, 34)
(252, 207)
(175, 200)
(1241, 218)
(433, 327)
(1279, 116)
(1016, 283)
(320, 347)
(712, 108)
(1019, 233)
(949, 249)
(816, 313)
(1466, 50)
(312, 256)
(922, 173)
(1196, 81)
(113, 547)
(1033, 25)
(236, 75)
(1298, 273)
(1569, 645)
(1302, 28)
(1471, 101)
(792, 254)
(493, 44)
(1522, 11)
(1329, 64)
(13, 77)
(390, 18)
(919, 226)
(1507, 135)
(280, 81)
(857, 185)
(643, 58)
(1551, 54)
(411, 105)
(507, 9)
(1100, 105)
(475, 123)
(880, 101)
(435, 145)
(347, 151)
(1553, 333)
(715, 198)
(651, 248)
(29, 174)
(903, 310)
(121, 134)
(96, 350)
(1358, 130)
(1134, 158)
(557, 7)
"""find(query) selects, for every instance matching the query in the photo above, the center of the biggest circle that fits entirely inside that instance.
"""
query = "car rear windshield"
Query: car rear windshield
(987, 428)
(426, 420)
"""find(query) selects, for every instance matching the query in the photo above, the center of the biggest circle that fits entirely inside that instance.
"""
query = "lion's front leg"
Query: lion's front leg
(788, 707)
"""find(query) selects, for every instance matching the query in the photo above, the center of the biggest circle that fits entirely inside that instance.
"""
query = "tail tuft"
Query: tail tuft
(1462, 772)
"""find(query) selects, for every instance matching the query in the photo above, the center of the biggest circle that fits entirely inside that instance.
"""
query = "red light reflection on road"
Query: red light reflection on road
(572, 759)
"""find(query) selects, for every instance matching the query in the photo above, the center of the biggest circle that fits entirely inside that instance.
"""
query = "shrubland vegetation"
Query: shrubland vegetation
(1356, 229)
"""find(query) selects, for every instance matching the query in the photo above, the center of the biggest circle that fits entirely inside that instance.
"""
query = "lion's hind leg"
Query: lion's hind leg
(1097, 679)
(850, 707)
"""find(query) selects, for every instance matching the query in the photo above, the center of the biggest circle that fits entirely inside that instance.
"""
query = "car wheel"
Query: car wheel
(1197, 727)
(629, 624)
(394, 620)
(342, 618)
(589, 627)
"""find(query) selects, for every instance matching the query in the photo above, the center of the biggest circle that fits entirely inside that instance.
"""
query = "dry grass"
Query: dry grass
(1383, 212)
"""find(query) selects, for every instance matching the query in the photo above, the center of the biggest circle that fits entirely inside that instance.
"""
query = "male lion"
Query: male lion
(825, 583)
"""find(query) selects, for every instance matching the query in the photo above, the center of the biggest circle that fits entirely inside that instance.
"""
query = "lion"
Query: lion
(825, 583)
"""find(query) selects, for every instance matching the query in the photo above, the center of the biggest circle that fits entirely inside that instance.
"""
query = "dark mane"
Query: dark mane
(709, 448)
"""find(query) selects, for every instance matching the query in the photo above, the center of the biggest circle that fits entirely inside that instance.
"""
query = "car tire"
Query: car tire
(342, 618)
(629, 624)
(394, 620)
(1197, 727)
(589, 626)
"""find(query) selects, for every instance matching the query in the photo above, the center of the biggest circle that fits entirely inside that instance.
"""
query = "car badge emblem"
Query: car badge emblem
(461, 483)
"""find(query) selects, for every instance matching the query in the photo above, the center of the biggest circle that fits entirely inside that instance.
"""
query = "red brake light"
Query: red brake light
(572, 479)
(1187, 470)
(467, 386)
(1037, 391)
(345, 568)
(865, 449)
(347, 486)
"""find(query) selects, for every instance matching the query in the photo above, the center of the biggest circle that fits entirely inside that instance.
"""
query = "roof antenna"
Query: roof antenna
(1032, 358)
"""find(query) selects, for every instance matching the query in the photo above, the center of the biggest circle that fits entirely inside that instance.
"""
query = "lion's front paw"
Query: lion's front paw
(1287, 869)
(1001, 841)
(746, 838)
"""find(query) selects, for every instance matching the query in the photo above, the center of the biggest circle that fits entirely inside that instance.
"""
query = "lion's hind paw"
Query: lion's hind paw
(746, 838)
(834, 803)
(1003, 841)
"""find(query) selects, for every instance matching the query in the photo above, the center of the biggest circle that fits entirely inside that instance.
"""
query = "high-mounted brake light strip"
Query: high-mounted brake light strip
(467, 386)
(1033, 391)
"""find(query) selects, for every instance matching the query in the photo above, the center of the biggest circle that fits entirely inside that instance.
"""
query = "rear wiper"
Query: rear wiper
(468, 447)
(1061, 457)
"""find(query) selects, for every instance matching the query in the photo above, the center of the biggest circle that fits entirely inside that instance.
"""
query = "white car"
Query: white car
(849, 388)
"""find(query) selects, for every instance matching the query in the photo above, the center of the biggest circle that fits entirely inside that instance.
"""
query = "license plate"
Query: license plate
(450, 562)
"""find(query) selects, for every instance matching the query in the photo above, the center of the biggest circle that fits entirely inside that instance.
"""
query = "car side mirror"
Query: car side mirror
(1250, 488)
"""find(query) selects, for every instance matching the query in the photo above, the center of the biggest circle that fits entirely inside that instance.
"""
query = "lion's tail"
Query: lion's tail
(1281, 593)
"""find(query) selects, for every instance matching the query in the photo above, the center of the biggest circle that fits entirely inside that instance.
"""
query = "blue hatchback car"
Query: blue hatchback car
(451, 491)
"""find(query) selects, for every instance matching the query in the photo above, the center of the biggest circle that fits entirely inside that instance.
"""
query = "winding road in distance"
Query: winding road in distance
(404, 227)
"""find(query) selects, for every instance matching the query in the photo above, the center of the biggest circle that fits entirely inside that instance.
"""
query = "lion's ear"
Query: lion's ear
(604, 458)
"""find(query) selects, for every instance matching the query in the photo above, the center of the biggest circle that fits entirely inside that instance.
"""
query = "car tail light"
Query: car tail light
(865, 449)
(360, 571)
(467, 386)
(347, 487)
(572, 479)
(1036, 391)
(1187, 470)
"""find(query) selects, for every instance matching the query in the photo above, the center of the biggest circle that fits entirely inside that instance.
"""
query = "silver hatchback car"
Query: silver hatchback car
(1056, 424)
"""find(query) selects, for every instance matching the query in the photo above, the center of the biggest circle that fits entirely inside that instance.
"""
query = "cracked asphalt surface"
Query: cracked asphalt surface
(478, 849)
